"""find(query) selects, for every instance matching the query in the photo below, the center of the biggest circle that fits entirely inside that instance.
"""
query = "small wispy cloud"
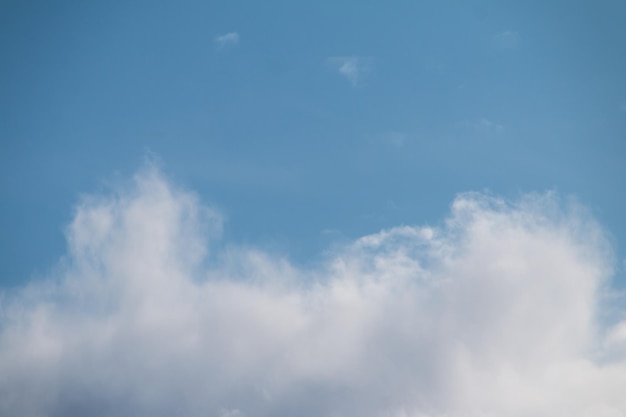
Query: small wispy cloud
(507, 39)
(482, 125)
(433, 65)
(393, 139)
(486, 125)
(353, 68)
(227, 39)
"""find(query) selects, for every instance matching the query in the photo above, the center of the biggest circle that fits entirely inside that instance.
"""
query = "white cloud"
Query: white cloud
(227, 39)
(494, 313)
(353, 68)
(507, 39)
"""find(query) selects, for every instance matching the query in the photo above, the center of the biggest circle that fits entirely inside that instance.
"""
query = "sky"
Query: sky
(320, 208)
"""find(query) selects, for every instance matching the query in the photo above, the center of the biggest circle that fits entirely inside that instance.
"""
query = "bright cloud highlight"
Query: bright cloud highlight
(493, 313)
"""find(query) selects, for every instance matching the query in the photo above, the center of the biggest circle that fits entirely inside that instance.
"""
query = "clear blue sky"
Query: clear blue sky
(307, 122)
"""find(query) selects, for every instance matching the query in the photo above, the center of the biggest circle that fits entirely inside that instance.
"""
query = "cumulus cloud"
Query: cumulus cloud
(492, 313)
(353, 68)
(227, 39)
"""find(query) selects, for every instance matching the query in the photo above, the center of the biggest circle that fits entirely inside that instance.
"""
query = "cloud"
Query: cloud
(394, 139)
(433, 65)
(483, 126)
(507, 39)
(227, 39)
(492, 313)
(486, 125)
(354, 68)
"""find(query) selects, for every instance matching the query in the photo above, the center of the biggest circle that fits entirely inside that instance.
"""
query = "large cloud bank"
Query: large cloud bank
(497, 312)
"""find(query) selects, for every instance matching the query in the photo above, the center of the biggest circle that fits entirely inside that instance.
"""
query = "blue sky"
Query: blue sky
(451, 96)
(278, 208)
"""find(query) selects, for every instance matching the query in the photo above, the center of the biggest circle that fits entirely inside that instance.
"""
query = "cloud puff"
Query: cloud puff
(353, 68)
(493, 313)
(507, 39)
(227, 39)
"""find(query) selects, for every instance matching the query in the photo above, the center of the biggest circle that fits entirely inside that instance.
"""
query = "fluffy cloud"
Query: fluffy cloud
(353, 68)
(493, 313)
(231, 38)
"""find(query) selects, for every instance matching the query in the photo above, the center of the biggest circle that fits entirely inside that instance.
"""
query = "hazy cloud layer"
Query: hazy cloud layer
(495, 313)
